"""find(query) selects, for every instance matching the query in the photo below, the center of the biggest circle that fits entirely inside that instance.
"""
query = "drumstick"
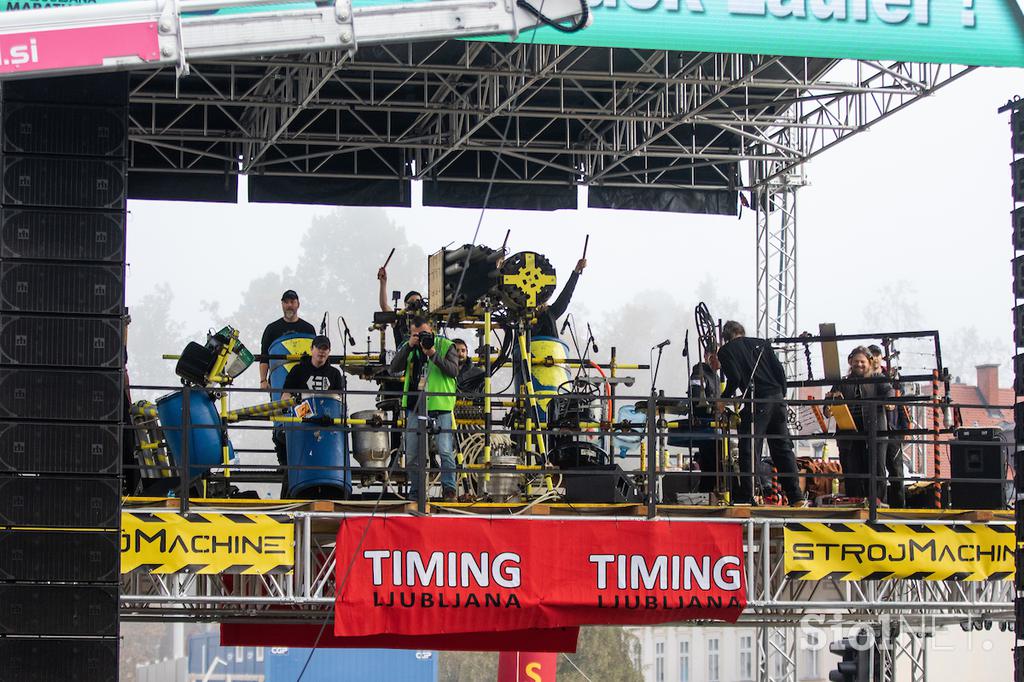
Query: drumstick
(389, 257)
(505, 243)
(586, 241)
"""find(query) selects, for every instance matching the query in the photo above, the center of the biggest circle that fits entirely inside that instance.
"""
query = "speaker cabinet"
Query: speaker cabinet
(68, 660)
(60, 502)
(62, 610)
(62, 235)
(28, 287)
(979, 455)
(108, 89)
(59, 556)
(60, 394)
(599, 485)
(56, 129)
(61, 341)
(57, 448)
(63, 182)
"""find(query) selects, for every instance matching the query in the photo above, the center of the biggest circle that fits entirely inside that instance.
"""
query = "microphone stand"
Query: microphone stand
(344, 396)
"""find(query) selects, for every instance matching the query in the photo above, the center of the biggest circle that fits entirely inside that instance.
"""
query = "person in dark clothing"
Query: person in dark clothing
(870, 419)
(471, 378)
(705, 390)
(313, 373)
(751, 367)
(897, 419)
(546, 322)
(413, 303)
(289, 323)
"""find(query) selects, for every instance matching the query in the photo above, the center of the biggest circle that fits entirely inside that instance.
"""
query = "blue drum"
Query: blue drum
(312, 445)
(206, 438)
(290, 344)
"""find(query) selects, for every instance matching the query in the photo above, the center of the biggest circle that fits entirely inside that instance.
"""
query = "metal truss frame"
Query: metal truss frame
(774, 600)
(576, 115)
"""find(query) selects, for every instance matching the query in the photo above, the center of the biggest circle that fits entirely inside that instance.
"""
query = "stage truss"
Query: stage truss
(531, 116)
(773, 598)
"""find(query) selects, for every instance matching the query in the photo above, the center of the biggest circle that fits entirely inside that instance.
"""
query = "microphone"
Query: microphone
(686, 344)
(593, 341)
(565, 325)
(348, 334)
(663, 344)
(323, 326)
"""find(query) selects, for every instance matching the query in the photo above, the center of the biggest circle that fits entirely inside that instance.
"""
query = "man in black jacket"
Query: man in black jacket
(547, 315)
(751, 367)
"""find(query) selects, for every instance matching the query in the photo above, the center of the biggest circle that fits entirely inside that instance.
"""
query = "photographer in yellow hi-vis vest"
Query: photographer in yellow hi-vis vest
(430, 364)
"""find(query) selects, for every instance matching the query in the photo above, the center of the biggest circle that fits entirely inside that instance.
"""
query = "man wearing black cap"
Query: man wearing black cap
(289, 323)
(313, 373)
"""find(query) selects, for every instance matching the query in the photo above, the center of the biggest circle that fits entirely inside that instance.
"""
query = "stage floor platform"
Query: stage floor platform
(565, 509)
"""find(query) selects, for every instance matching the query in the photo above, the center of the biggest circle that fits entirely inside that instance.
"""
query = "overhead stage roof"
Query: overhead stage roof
(644, 129)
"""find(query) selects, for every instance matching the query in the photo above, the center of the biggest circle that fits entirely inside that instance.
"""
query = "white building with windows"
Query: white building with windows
(701, 653)
(710, 654)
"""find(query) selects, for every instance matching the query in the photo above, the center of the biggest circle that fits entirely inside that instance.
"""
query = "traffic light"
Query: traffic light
(855, 665)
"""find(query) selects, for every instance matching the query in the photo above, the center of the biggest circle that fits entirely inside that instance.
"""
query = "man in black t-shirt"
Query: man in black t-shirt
(289, 323)
(313, 373)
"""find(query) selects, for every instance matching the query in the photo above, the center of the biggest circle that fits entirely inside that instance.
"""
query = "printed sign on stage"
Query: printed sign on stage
(166, 542)
(972, 33)
(439, 575)
(880, 551)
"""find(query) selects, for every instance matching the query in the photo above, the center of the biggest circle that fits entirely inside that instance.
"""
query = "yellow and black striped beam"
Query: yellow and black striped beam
(208, 543)
(910, 551)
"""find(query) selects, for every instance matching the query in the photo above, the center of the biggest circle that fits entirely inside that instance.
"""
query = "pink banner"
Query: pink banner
(74, 48)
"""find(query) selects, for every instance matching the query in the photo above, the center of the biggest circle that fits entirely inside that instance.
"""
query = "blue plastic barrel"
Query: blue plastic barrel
(628, 442)
(290, 344)
(311, 445)
(204, 444)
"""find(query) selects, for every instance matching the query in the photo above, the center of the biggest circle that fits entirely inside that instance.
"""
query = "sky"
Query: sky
(913, 212)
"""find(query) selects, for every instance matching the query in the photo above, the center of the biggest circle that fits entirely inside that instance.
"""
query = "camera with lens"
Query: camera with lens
(426, 339)
(416, 306)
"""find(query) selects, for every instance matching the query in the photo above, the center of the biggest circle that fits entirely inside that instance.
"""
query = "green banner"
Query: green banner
(971, 32)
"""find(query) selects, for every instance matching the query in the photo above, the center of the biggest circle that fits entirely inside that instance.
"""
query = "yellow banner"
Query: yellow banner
(167, 542)
(881, 551)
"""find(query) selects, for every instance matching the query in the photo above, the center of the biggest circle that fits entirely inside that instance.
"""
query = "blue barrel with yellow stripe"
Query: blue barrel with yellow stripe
(546, 380)
(295, 343)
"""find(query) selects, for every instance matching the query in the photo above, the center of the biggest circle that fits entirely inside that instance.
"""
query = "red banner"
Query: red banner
(316, 636)
(417, 576)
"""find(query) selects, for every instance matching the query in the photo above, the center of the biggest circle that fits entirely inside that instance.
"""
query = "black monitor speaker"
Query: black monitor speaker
(977, 455)
(606, 484)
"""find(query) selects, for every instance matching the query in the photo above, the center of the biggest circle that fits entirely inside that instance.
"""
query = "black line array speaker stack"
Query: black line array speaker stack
(1016, 109)
(62, 250)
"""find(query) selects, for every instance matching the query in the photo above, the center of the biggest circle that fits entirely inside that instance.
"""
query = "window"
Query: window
(746, 657)
(659, 662)
(684, 661)
(810, 668)
(713, 660)
(259, 654)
